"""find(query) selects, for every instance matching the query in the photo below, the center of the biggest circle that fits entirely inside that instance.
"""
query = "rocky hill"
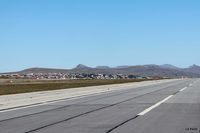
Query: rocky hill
(141, 70)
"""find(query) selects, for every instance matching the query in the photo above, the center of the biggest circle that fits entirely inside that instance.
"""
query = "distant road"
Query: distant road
(168, 107)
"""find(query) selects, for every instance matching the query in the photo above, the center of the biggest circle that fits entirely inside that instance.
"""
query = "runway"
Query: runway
(169, 107)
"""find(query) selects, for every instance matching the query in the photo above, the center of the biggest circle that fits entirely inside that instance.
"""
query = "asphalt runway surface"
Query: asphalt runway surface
(172, 107)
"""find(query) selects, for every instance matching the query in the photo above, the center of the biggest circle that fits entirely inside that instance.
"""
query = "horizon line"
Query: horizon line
(38, 67)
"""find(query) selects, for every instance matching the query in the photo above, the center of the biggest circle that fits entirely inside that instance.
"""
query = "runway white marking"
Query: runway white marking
(154, 106)
(183, 89)
(190, 84)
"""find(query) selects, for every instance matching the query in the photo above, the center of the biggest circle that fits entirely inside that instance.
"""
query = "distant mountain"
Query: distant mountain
(155, 70)
(140, 70)
(81, 66)
(123, 66)
(43, 70)
(169, 66)
(103, 67)
(193, 69)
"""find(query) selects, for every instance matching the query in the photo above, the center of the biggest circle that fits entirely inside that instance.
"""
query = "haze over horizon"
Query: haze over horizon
(62, 34)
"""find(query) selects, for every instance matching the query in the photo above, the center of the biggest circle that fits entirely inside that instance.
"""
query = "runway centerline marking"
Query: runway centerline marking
(183, 89)
(154, 106)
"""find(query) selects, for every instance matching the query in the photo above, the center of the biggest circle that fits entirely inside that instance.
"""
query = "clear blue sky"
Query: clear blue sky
(64, 33)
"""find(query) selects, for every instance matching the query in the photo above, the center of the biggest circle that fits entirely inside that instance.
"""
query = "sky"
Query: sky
(65, 33)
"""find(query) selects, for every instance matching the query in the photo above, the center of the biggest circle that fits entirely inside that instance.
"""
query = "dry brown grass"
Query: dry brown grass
(34, 86)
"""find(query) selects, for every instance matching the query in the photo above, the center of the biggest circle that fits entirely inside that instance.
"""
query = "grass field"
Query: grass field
(23, 86)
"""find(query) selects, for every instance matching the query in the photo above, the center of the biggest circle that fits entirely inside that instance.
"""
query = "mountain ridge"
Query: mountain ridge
(166, 70)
